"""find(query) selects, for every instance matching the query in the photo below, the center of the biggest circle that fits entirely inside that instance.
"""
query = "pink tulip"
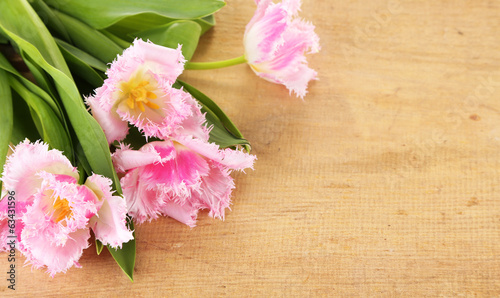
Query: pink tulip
(178, 177)
(139, 91)
(276, 42)
(54, 214)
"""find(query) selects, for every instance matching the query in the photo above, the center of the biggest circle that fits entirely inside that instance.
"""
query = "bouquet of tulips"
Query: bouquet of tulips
(97, 131)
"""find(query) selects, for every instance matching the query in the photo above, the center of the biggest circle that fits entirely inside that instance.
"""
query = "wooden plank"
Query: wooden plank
(384, 181)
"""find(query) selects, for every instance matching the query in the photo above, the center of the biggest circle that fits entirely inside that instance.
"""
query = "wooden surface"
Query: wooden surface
(383, 182)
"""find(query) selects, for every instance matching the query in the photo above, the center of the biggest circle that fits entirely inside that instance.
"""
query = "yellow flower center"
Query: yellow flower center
(62, 209)
(138, 96)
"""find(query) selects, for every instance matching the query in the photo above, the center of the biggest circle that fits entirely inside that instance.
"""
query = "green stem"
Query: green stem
(218, 64)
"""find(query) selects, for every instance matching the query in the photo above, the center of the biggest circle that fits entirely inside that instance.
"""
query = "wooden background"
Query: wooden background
(383, 182)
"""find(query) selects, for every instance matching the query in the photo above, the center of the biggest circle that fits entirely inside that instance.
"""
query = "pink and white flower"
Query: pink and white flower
(178, 177)
(54, 213)
(276, 42)
(139, 91)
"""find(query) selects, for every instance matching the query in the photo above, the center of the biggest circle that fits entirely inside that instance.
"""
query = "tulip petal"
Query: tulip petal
(234, 159)
(185, 213)
(26, 161)
(215, 191)
(57, 258)
(263, 33)
(125, 158)
(142, 203)
(109, 224)
(113, 126)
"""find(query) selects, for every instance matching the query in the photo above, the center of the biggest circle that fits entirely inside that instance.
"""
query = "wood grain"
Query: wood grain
(383, 182)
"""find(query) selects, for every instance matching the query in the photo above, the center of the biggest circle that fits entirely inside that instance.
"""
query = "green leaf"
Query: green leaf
(206, 23)
(122, 43)
(40, 76)
(125, 257)
(89, 39)
(80, 68)
(83, 163)
(101, 14)
(5, 65)
(19, 18)
(186, 33)
(6, 119)
(48, 124)
(24, 127)
(98, 246)
(87, 130)
(127, 28)
(49, 17)
(224, 133)
(84, 87)
(83, 56)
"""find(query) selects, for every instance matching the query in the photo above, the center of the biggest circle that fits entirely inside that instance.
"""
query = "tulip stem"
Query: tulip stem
(217, 64)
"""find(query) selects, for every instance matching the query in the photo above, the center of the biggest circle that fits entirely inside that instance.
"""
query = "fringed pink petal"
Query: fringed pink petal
(41, 252)
(292, 6)
(44, 241)
(259, 11)
(166, 62)
(263, 33)
(177, 175)
(215, 191)
(81, 204)
(195, 124)
(113, 126)
(233, 159)
(55, 226)
(109, 224)
(142, 203)
(125, 158)
(29, 159)
(185, 214)
(237, 159)
(100, 186)
(299, 38)
(297, 81)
